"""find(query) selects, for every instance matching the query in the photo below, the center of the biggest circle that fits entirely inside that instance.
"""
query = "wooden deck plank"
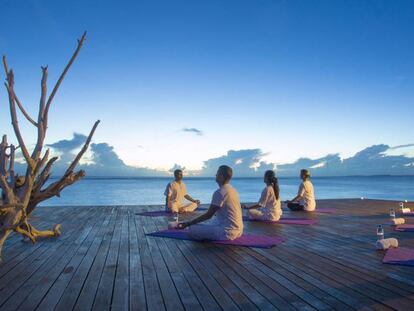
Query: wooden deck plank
(210, 282)
(169, 292)
(104, 260)
(188, 298)
(76, 284)
(194, 282)
(137, 300)
(153, 293)
(226, 285)
(42, 285)
(90, 286)
(15, 249)
(120, 298)
(28, 278)
(55, 293)
(103, 297)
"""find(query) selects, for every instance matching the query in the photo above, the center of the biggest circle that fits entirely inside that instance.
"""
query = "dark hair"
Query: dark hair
(305, 173)
(271, 178)
(226, 172)
(177, 171)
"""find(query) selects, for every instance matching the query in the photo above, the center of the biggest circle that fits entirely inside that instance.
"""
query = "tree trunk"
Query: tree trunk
(21, 194)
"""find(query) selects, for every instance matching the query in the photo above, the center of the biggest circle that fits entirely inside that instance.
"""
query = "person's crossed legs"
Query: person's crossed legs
(295, 206)
(207, 232)
(183, 208)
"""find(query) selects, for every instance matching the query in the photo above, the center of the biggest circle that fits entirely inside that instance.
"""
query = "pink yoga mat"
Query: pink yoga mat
(405, 228)
(399, 256)
(286, 221)
(248, 240)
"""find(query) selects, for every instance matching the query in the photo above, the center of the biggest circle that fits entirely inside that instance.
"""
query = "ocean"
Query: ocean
(146, 191)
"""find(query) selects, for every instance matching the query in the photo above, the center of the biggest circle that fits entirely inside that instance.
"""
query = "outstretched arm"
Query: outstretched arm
(299, 196)
(207, 215)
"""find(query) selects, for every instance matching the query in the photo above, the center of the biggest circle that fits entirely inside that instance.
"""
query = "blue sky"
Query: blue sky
(292, 78)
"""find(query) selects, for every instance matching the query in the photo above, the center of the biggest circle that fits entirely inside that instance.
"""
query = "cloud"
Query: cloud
(193, 130)
(103, 161)
(176, 167)
(374, 160)
(247, 162)
(401, 146)
(67, 145)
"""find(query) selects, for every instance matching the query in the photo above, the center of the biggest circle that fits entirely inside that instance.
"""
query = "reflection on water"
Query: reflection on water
(138, 191)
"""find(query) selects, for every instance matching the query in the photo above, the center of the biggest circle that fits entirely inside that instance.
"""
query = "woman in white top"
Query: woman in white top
(305, 199)
(268, 207)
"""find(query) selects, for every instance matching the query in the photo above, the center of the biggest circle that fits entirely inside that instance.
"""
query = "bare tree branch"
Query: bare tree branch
(3, 156)
(41, 131)
(19, 104)
(23, 195)
(15, 123)
(83, 150)
(62, 76)
(11, 166)
(43, 176)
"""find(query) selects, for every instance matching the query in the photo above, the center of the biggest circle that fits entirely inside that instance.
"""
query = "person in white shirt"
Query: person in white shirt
(225, 206)
(305, 199)
(268, 208)
(176, 192)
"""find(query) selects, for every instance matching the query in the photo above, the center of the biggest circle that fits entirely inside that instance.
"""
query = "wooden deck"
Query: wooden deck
(104, 260)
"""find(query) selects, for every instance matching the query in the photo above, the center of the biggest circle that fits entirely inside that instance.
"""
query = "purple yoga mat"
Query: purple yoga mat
(399, 256)
(161, 213)
(286, 221)
(248, 240)
(408, 214)
(326, 210)
(405, 228)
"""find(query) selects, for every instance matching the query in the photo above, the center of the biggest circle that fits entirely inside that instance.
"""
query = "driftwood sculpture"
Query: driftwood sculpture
(21, 194)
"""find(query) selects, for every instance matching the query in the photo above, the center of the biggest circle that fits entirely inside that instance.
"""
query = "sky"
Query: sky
(186, 81)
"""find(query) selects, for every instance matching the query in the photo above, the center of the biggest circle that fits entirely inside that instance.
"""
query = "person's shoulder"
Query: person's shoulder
(173, 184)
(230, 189)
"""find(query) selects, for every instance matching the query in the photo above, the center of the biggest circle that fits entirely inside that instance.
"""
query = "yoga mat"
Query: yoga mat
(248, 240)
(399, 256)
(318, 210)
(162, 213)
(326, 210)
(405, 228)
(286, 221)
(410, 214)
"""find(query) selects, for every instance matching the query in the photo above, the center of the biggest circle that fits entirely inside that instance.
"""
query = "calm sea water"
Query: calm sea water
(138, 191)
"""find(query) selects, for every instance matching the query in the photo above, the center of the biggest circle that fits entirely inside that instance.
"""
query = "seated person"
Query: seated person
(268, 207)
(175, 194)
(225, 205)
(305, 200)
